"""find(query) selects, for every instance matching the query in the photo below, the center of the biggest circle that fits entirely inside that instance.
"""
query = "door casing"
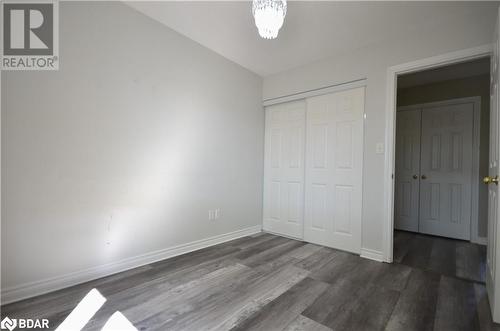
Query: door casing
(393, 72)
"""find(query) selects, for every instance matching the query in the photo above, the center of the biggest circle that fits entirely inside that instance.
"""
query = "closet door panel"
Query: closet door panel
(407, 184)
(334, 152)
(446, 168)
(284, 169)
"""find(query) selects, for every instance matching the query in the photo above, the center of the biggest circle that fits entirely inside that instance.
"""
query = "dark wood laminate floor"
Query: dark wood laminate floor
(265, 282)
(450, 257)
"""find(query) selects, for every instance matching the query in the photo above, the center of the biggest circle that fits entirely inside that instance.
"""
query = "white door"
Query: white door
(407, 188)
(284, 169)
(446, 171)
(334, 153)
(492, 281)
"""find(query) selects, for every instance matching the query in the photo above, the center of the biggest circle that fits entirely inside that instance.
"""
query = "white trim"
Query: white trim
(32, 289)
(481, 241)
(372, 254)
(366, 253)
(474, 235)
(476, 135)
(282, 235)
(456, 101)
(392, 73)
(319, 91)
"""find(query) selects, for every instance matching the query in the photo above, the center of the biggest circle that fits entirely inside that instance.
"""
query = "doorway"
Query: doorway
(492, 52)
(441, 156)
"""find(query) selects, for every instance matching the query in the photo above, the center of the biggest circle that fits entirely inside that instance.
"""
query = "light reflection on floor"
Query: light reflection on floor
(87, 308)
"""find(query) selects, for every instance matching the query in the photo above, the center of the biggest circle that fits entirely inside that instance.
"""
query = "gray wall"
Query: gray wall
(125, 149)
(478, 86)
(372, 63)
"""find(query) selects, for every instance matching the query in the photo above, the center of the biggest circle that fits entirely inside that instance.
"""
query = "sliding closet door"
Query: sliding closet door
(284, 169)
(407, 187)
(334, 152)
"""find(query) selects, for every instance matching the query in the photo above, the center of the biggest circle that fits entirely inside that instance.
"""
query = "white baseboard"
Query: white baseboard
(32, 289)
(281, 235)
(372, 254)
(480, 240)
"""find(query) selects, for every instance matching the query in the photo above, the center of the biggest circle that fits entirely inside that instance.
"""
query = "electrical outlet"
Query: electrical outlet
(214, 214)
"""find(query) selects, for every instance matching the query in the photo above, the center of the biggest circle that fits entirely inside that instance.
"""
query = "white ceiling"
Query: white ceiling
(312, 30)
(455, 71)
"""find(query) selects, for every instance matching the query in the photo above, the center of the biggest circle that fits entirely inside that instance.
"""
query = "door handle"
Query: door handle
(415, 177)
(424, 177)
(488, 180)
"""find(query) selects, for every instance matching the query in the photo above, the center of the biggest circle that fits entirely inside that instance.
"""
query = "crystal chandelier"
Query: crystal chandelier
(269, 16)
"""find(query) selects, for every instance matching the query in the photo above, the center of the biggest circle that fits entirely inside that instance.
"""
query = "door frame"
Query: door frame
(390, 127)
(476, 134)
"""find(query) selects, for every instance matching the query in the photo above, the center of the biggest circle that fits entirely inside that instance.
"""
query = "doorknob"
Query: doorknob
(489, 180)
(424, 177)
(415, 177)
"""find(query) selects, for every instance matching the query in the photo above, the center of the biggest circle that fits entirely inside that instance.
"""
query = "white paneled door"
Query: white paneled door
(284, 169)
(446, 171)
(334, 152)
(434, 169)
(492, 279)
(407, 187)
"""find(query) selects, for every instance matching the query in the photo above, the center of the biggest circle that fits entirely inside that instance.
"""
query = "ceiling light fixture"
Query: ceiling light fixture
(269, 16)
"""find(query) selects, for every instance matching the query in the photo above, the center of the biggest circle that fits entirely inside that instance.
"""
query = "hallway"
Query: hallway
(448, 257)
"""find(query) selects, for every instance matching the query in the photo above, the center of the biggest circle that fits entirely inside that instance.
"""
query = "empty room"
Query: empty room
(250, 165)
